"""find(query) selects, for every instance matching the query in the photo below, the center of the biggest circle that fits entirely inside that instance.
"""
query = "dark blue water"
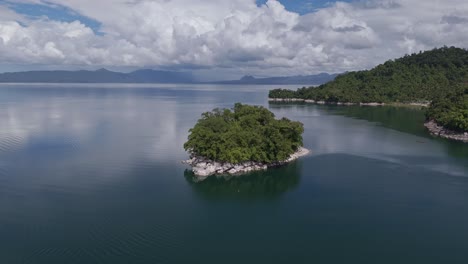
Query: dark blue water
(92, 174)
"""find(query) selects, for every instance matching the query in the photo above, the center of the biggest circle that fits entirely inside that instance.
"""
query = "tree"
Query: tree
(245, 133)
(418, 77)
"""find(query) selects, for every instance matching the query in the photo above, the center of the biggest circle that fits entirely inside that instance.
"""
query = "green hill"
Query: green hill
(413, 78)
(439, 76)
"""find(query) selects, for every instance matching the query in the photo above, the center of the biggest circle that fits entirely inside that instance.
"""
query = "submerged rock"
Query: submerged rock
(203, 167)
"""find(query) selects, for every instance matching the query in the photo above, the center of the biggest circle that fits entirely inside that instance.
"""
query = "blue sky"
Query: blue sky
(61, 13)
(52, 12)
(303, 6)
(224, 37)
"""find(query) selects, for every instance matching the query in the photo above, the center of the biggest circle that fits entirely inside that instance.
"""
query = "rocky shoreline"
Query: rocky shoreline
(292, 100)
(203, 167)
(440, 131)
(289, 100)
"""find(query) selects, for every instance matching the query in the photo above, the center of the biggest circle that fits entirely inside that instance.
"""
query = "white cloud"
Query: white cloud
(235, 34)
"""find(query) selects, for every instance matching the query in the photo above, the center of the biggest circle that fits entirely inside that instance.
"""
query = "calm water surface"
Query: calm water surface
(92, 174)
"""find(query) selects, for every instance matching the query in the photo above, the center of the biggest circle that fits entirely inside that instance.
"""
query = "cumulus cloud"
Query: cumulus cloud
(234, 34)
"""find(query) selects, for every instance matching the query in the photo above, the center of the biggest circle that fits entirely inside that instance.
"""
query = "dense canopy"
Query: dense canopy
(432, 76)
(451, 111)
(417, 77)
(245, 133)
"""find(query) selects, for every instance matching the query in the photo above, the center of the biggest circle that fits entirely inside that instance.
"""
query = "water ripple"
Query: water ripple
(10, 142)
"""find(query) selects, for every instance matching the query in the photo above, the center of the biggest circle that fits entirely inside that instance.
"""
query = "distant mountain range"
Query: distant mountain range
(99, 76)
(299, 79)
(148, 76)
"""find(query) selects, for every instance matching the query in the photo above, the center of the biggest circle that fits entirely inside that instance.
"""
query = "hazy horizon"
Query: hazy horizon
(224, 39)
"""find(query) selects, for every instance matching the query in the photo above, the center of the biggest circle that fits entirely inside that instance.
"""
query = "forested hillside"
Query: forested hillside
(439, 76)
(413, 78)
(451, 110)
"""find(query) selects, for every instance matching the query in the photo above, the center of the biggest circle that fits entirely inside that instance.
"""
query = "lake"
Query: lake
(93, 174)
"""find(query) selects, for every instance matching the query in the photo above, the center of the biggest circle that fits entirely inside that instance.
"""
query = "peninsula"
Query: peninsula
(437, 78)
(242, 139)
(447, 116)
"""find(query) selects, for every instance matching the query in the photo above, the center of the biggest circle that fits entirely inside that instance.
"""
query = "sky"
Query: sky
(217, 39)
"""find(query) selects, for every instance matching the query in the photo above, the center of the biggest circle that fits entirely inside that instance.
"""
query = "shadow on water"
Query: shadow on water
(260, 184)
(403, 119)
(408, 120)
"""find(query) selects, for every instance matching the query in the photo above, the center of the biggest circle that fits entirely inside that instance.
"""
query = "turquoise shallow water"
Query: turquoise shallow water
(92, 174)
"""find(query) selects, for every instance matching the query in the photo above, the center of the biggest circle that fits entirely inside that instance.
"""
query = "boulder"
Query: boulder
(203, 167)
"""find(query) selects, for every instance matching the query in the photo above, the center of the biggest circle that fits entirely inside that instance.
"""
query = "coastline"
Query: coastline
(310, 101)
(203, 167)
(437, 130)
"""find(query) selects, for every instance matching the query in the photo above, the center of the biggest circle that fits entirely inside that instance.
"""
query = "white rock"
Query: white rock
(203, 168)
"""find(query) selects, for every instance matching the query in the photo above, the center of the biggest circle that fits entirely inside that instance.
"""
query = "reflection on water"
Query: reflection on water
(404, 119)
(260, 184)
(395, 134)
(93, 175)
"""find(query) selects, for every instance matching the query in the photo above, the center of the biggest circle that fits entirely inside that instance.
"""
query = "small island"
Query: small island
(242, 139)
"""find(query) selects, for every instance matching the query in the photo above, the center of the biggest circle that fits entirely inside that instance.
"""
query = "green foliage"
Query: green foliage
(434, 75)
(245, 133)
(282, 93)
(451, 111)
(418, 77)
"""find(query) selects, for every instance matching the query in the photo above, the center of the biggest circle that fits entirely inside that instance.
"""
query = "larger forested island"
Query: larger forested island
(439, 76)
(243, 139)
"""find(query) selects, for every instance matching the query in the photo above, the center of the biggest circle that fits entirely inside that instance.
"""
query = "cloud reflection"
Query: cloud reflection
(108, 132)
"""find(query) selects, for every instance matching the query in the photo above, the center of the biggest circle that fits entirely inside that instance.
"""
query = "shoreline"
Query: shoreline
(203, 167)
(439, 131)
(310, 101)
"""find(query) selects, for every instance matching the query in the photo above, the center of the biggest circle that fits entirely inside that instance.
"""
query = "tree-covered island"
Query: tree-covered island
(242, 139)
(438, 77)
